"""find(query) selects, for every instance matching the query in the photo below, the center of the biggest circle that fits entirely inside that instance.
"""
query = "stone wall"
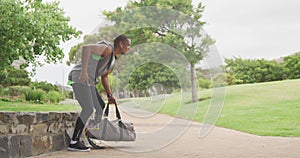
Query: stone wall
(31, 134)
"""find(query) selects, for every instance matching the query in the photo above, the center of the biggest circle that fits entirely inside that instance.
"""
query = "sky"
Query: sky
(250, 29)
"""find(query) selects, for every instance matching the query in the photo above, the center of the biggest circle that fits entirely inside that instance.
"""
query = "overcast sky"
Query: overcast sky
(243, 28)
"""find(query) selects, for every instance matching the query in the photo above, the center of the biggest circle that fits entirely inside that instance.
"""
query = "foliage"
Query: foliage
(112, 83)
(231, 80)
(153, 73)
(36, 96)
(47, 87)
(11, 76)
(54, 96)
(30, 29)
(204, 83)
(255, 71)
(15, 91)
(176, 23)
(292, 65)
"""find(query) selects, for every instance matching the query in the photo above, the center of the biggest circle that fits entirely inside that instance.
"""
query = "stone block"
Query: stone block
(26, 118)
(42, 117)
(2, 117)
(75, 115)
(38, 129)
(4, 147)
(41, 144)
(55, 116)
(4, 129)
(26, 146)
(19, 129)
(69, 124)
(58, 142)
(56, 127)
(15, 146)
(67, 117)
(8, 118)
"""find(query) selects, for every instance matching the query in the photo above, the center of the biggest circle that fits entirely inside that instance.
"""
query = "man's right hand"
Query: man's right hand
(84, 77)
(111, 100)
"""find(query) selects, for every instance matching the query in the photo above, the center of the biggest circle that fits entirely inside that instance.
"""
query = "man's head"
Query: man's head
(122, 44)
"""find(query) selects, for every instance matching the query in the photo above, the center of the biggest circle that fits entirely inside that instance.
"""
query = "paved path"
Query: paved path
(162, 136)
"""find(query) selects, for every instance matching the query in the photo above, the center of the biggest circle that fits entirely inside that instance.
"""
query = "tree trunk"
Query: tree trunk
(194, 84)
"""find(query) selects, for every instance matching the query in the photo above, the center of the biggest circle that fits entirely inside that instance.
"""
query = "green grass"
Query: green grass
(266, 109)
(29, 107)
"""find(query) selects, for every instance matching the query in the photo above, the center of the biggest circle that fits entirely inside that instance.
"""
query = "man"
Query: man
(97, 61)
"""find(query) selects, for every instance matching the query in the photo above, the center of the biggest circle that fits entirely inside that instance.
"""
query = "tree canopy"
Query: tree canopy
(31, 29)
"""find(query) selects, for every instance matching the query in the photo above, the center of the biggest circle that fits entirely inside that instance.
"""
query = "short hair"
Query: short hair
(120, 38)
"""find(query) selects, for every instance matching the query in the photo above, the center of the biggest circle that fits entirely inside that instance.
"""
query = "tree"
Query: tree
(292, 65)
(149, 74)
(254, 71)
(175, 23)
(31, 29)
(12, 77)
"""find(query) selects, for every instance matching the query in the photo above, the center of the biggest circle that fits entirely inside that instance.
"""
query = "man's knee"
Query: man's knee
(86, 113)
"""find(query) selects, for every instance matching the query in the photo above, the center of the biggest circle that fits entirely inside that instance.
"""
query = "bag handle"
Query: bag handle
(118, 115)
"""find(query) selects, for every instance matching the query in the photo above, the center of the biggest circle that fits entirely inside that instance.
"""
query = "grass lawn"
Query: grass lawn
(28, 107)
(267, 109)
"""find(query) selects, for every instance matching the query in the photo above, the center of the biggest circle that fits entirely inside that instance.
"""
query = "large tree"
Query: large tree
(30, 29)
(176, 23)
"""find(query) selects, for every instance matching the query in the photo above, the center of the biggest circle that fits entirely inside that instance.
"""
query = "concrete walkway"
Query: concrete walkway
(162, 136)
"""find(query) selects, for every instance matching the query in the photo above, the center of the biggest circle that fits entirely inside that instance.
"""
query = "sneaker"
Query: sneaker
(79, 146)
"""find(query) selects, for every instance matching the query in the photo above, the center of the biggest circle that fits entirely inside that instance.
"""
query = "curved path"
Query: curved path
(219, 143)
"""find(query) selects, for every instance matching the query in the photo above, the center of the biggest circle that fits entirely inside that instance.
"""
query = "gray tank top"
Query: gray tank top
(97, 66)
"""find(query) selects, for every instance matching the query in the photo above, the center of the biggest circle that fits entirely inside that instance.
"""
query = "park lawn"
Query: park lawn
(266, 109)
(30, 107)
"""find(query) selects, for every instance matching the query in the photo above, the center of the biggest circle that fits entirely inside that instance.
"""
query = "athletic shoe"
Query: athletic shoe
(79, 146)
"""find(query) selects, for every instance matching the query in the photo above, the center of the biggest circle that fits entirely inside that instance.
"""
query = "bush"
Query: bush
(5, 100)
(54, 96)
(36, 96)
(204, 83)
(47, 87)
(5, 92)
(18, 91)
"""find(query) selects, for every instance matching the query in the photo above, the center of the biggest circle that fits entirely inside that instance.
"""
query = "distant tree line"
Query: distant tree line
(242, 71)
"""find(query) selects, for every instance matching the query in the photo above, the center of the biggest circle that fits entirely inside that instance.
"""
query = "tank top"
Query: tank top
(97, 66)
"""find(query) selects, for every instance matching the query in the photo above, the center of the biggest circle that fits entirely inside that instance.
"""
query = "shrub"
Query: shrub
(36, 96)
(204, 83)
(5, 92)
(54, 96)
(18, 91)
(5, 100)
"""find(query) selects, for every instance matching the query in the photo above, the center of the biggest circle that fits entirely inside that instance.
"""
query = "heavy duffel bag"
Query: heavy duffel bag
(112, 130)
